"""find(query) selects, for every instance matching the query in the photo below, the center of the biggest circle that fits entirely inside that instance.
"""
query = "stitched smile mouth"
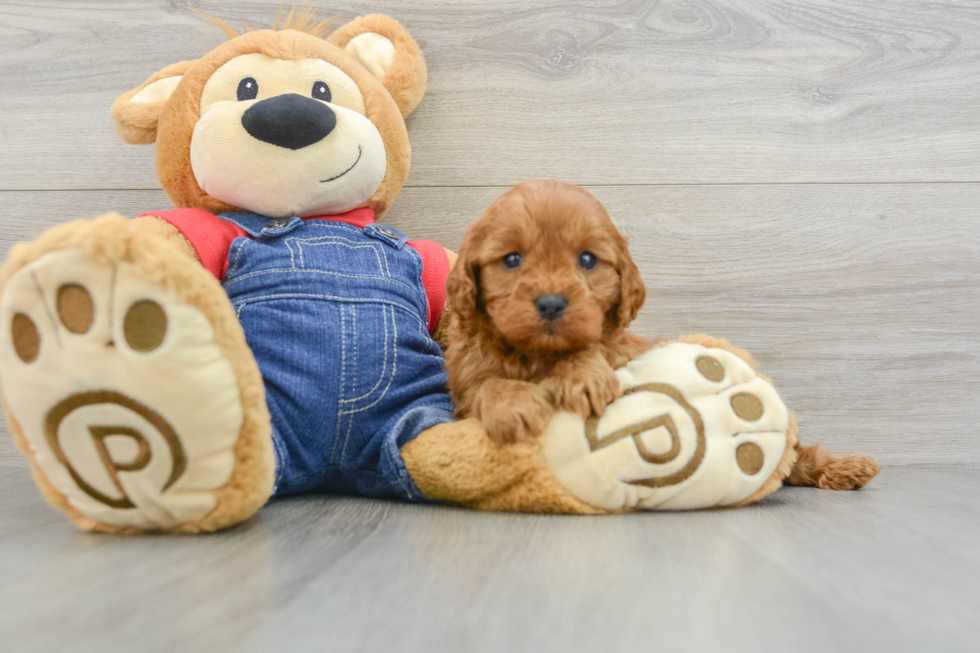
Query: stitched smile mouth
(323, 181)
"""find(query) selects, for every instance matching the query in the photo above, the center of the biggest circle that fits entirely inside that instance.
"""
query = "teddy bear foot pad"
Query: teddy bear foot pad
(119, 394)
(696, 428)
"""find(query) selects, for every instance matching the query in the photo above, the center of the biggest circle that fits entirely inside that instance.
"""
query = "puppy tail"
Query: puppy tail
(816, 467)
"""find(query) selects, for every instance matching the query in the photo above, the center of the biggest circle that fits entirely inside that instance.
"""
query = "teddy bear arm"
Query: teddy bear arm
(162, 229)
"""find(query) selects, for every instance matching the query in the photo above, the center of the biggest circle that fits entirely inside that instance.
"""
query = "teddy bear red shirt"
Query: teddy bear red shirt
(211, 237)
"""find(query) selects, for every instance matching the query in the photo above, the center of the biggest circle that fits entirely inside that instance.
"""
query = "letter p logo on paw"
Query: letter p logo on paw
(695, 428)
(145, 455)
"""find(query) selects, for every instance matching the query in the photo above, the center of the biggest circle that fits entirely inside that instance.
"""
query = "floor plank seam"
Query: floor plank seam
(586, 184)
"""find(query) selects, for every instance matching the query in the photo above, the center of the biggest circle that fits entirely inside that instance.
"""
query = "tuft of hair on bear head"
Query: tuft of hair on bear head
(300, 19)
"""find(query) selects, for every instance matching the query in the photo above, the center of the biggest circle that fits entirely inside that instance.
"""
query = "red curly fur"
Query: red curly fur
(510, 367)
(816, 467)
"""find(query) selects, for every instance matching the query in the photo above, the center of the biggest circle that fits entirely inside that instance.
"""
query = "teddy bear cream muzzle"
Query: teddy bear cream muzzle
(332, 167)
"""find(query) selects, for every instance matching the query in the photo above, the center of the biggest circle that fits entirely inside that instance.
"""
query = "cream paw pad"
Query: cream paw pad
(127, 405)
(696, 427)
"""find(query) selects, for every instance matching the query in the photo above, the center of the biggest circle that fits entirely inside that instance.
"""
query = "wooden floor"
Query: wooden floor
(799, 176)
(891, 568)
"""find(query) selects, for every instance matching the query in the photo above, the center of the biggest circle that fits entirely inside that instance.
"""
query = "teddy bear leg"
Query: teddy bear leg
(128, 384)
(458, 462)
(696, 428)
(734, 443)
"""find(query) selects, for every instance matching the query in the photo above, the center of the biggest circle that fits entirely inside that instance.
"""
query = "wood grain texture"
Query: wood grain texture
(751, 151)
(598, 92)
(861, 301)
(891, 568)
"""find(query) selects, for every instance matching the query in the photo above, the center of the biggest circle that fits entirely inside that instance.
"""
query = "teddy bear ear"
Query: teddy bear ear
(136, 112)
(388, 51)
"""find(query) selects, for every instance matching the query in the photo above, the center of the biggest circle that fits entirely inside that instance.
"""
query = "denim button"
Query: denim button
(280, 226)
(387, 235)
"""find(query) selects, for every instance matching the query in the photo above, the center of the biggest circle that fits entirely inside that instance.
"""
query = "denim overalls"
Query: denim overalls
(336, 318)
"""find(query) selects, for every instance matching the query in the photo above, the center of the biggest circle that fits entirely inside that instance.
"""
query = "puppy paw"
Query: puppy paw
(586, 394)
(513, 411)
(850, 472)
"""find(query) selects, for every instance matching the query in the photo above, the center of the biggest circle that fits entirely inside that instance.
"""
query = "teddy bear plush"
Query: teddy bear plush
(268, 336)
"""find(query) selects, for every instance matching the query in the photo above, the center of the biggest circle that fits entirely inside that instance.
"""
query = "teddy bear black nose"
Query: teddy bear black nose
(292, 121)
(550, 307)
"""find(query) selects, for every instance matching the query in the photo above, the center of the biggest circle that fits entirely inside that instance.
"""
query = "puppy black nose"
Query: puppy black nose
(292, 121)
(551, 307)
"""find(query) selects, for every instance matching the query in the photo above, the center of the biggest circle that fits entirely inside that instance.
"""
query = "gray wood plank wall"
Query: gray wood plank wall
(802, 178)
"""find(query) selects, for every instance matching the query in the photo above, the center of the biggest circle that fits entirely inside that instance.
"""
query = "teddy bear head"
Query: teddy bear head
(283, 122)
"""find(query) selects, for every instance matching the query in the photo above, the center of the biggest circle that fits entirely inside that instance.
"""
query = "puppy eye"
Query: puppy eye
(321, 91)
(248, 89)
(513, 260)
(587, 260)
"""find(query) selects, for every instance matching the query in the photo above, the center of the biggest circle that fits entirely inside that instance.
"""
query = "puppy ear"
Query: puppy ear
(632, 291)
(463, 284)
(136, 112)
(387, 50)
(463, 289)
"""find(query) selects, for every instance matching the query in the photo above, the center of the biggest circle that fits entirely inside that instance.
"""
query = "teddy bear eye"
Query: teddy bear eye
(321, 91)
(513, 260)
(587, 260)
(248, 89)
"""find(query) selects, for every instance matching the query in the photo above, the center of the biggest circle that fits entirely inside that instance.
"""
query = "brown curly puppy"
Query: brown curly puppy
(539, 302)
